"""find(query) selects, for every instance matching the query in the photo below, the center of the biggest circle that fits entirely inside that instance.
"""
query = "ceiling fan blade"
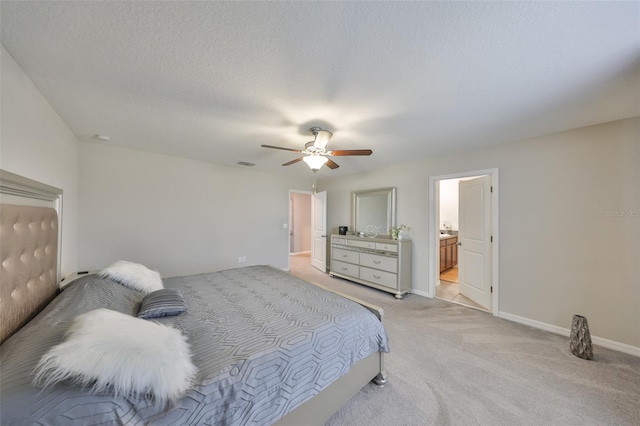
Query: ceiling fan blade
(331, 164)
(279, 147)
(292, 162)
(344, 152)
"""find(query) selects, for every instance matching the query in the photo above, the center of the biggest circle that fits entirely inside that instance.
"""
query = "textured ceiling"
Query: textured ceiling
(214, 80)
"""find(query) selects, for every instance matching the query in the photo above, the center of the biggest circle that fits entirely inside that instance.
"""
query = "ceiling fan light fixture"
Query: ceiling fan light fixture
(315, 152)
(322, 137)
(315, 162)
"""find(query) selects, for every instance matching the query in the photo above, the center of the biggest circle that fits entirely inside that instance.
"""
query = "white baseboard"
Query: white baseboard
(420, 293)
(605, 343)
(300, 252)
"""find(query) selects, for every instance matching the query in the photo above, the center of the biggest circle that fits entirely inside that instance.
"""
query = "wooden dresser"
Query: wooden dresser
(381, 263)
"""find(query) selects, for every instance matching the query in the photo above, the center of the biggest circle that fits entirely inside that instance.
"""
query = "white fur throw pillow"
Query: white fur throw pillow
(133, 275)
(127, 356)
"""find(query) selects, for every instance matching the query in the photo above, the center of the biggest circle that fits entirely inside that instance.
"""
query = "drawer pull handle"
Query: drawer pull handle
(377, 277)
(377, 262)
(345, 255)
(345, 269)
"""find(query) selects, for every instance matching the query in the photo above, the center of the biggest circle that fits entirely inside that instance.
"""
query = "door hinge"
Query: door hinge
(491, 289)
(492, 238)
(491, 188)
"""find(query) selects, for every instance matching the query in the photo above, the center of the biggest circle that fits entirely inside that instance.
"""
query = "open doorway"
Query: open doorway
(463, 233)
(449, 226)
(299, 229)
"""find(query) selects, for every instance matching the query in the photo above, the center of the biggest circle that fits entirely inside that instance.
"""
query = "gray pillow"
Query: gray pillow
(162, 303)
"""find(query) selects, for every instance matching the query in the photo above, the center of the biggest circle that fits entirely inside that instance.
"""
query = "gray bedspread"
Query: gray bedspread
(264, 342)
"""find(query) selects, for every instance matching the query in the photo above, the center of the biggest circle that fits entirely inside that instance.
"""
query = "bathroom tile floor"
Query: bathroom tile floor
(450, 275)
(449, 291)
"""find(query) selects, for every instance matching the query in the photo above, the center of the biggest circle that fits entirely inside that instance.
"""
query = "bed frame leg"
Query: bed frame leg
(380, 379)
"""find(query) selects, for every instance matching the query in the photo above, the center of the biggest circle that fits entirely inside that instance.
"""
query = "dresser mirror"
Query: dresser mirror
(375, 207)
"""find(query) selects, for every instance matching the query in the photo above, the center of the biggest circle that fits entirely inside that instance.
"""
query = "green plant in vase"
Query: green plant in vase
(400, 232)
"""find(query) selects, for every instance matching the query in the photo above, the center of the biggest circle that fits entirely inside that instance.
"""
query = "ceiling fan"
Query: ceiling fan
(316, 151)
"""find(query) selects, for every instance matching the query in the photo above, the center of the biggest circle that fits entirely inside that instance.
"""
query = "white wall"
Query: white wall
(561, 250)
(37, 144)
(179, 216)
(449, 203)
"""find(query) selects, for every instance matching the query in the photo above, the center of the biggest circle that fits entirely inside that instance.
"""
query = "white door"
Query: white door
(474, 240)
(319, 230)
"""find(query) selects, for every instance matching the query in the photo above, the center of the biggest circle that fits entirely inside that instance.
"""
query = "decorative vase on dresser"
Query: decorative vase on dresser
(380, 263)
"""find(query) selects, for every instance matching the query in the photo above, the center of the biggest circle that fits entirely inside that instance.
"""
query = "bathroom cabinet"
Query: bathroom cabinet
(448, 252)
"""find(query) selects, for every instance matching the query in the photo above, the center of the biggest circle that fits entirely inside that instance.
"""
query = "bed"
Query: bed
(269, 348)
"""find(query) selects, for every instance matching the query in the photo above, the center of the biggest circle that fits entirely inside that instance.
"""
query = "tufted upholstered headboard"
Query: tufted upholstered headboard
(29, 252)
(29, 249)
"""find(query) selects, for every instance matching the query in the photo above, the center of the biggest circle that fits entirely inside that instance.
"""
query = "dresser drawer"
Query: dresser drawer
(342, 241)
(363, 244)
(345, 255)
(387, 247)
(379, 262)
(344, 268)
(386, 279)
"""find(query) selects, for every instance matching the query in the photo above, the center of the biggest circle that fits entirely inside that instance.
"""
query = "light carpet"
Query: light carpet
(451, 365)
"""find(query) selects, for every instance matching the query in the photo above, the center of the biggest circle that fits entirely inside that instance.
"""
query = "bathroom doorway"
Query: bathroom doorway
(463, 224)
(448, 288)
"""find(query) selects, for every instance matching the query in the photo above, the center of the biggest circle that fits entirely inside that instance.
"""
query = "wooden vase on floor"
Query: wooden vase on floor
(580, 339)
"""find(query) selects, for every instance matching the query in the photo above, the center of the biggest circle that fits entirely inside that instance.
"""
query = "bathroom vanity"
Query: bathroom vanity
(448, 251)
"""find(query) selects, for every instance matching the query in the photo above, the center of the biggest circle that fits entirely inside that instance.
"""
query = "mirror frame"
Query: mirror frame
(391, 207)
